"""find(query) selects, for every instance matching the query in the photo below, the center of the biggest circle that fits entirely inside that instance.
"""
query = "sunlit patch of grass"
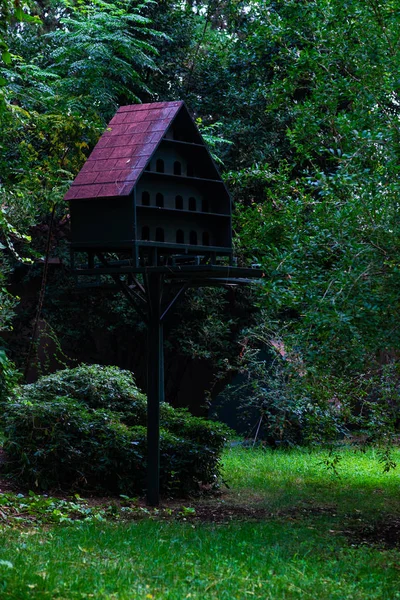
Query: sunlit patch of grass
(282, 478)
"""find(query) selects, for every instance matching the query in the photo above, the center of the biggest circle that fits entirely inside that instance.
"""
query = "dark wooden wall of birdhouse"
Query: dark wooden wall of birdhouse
(103, 222)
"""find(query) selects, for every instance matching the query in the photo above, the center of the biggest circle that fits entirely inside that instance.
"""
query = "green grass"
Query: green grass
(286, 478)
(293, 553)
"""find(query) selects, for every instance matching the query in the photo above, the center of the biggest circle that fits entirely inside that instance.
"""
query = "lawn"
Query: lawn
(287, 527)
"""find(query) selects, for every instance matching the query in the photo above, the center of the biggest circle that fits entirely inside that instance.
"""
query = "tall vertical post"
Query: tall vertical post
(155, 387)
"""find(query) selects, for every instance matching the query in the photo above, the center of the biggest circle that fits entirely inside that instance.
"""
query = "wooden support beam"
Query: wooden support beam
(155, 387)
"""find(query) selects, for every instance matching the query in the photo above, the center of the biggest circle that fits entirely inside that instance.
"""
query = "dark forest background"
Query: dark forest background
(299, 101)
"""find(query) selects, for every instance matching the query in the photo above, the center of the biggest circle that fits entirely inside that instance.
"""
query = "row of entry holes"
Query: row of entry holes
(160, 168)
(178, 202)
(180, 236)
(146, 199)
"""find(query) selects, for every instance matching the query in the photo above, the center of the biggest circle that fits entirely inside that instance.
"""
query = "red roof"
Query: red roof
(123, 151)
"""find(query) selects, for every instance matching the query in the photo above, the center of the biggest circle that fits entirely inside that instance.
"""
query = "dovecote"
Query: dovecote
(151, 187)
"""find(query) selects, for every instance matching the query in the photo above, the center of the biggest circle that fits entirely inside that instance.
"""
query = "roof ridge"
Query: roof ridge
(150, 106)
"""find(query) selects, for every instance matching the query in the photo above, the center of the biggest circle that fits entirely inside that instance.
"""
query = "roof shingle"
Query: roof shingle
(122, 152)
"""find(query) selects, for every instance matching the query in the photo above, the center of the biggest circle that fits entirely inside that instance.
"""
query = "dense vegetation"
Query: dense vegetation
(308, 94)
(85, 429)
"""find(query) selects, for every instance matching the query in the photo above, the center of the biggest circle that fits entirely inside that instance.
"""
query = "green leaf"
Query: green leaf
(19, 14)
(23, 17)
(6, 56)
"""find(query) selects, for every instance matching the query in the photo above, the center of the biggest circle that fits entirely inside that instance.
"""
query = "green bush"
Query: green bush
(180, 422)
(84, 429)
(8, 376)
(94, 386)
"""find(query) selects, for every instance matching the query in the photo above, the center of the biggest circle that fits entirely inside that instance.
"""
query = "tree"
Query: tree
(57, 91)
(324, 224)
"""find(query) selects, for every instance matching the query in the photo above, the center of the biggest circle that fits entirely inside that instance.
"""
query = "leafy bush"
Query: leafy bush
(94, 386)
(298, 405)
(180, 422)
(278, 403)
(84, 429)
(8, 376)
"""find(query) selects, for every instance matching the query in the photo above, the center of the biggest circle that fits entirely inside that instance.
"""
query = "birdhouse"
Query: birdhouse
(151, 187)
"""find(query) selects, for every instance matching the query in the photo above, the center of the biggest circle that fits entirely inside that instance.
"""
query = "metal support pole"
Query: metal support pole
(155, 387)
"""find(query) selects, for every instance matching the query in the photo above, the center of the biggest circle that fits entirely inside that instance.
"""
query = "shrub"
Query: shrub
(94, 386)
(180, 422)
(8, 376)
(94, 438)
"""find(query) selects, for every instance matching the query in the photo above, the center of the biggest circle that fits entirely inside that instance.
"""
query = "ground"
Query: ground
(287, 527)
(224, 507)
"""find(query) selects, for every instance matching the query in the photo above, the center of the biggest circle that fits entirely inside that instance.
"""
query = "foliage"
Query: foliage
(323, 224)
(31, 508)
(108, 72)
(85, 429)
(8, 376)
(308, 94)
(211, 138)
(8, 303)
(35, 510)
(278, 407)
(94, 386)
(283, 403)
(11, 11)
